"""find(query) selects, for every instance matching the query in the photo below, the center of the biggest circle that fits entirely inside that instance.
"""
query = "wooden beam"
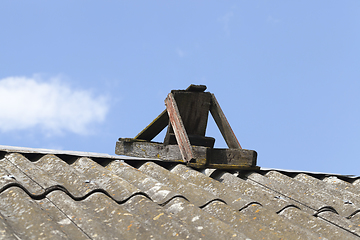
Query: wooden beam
(223, 124)
(155, 127)
(179, 129)
(205, 157)
(153, 150)
(231, 157)
(194, 111)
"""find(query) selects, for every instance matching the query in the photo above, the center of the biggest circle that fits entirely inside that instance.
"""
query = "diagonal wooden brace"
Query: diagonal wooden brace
(179, 129)
(223, 124)
(155, 127)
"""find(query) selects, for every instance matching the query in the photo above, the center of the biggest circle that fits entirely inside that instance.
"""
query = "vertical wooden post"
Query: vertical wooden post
(179, 129)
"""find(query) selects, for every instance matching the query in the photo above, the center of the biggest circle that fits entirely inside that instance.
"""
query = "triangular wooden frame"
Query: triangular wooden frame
(196, 155)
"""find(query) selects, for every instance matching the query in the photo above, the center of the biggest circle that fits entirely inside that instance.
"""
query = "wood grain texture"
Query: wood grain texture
(204, 157)
(238, 157)
(194, 110)
(179, 129)
(223, 124)
(153, 150)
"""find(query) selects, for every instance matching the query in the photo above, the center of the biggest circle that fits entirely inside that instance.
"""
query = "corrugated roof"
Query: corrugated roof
(75, 195)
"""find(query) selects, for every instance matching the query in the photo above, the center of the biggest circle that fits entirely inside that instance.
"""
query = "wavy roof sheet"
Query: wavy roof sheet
(75, 195)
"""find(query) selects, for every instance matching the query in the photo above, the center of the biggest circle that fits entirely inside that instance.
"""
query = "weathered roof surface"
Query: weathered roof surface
(75, 195)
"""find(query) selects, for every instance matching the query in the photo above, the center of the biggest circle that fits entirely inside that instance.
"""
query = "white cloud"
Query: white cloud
(52, 105)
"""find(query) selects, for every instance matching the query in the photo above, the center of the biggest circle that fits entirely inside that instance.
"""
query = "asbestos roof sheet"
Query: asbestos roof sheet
(49, 194)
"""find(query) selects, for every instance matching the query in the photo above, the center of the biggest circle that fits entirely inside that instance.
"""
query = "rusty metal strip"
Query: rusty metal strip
(223, 124)
(179, 129)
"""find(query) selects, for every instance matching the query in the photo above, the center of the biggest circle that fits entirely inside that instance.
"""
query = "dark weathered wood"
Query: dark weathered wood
(204, 157)
(194, 110)
(223, 124)
(196, 88)
(179, 129)
(194, 140)
(238, 157)
(155, 127)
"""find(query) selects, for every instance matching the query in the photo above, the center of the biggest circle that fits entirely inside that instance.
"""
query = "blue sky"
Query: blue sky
(77, 75)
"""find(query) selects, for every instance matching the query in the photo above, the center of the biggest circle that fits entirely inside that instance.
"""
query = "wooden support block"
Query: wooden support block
(194, 140)
(218, 158)
(204, 157)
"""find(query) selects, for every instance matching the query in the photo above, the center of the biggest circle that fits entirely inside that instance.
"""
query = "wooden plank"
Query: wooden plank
(235, 157)
(223, 124)
(205, 157)
(179, 129)
(153, 150)
(194, 110)
(155, 127)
